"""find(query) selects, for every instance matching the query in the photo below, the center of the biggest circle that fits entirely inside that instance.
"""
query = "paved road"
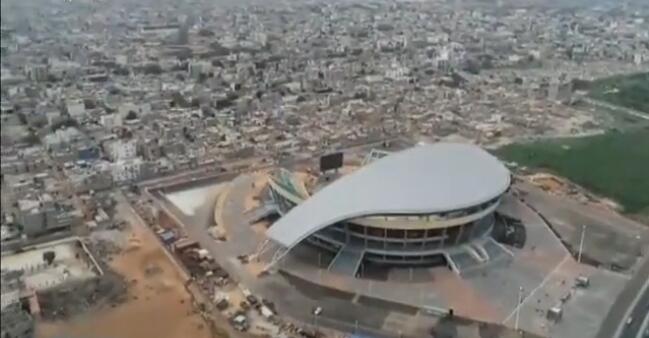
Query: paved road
(632, 302)
(640, 311)
(644, 327)
(339, 314)
(212, 171)
(613, 107)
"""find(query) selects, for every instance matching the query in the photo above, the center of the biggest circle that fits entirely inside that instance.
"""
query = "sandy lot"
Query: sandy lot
(188, 201)
(158, 304)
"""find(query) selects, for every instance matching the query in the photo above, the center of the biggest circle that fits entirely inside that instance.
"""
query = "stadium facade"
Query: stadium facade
(428, 205)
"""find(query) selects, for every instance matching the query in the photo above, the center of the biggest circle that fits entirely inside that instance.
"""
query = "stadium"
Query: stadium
(429, 205)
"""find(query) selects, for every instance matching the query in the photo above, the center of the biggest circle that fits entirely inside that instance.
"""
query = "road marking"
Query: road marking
(644, 326)
(566, 258)
(502, 247)
(630, 309)
(626, 276)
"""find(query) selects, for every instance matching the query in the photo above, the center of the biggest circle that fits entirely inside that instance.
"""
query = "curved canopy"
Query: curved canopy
(425, 179)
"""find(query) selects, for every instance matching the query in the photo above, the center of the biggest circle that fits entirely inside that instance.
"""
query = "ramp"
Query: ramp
(347, 261)
(463, 260)
(495, 250)
(265, 210)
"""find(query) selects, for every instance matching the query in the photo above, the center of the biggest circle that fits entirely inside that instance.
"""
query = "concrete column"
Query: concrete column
(474, 225)
(459, 235)
(365, 236)
(443, 238)
(346, 227)
(425, 239)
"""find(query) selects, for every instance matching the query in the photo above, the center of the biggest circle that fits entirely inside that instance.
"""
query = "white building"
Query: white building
(126, 170)
(111, 121)
(62, 138)
(450, 55)
(76, 109)
(36, 72)
(196, 69)
(397, 72)
(123, 150)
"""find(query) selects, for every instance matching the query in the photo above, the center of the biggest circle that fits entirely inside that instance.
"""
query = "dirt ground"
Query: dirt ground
(158, 304)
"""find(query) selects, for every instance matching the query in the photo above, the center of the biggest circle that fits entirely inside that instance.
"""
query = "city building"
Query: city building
(16, 322)
(44, 214)
(428, 205)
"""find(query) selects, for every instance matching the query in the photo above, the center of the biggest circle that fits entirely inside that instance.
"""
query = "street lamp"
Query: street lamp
(518, 307)
(319, 267)
(316, 312)
(581, 243)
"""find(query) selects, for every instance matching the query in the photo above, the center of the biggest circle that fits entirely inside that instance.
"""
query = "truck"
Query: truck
(266, 312)
(240, 322)
(582, 282)
(221, 300)
(250, 298)
(203, 254)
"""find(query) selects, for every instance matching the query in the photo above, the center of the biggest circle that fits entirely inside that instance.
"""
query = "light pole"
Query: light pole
(518, 307)
(316, 312)
(320, 267)
(581, 243)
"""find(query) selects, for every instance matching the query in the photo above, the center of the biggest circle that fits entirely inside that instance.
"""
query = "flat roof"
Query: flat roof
(70, 264)
(424, 179)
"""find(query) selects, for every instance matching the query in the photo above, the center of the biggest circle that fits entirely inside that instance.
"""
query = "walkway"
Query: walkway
(347, 261)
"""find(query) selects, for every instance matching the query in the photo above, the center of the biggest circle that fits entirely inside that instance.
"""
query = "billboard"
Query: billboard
(331, 161)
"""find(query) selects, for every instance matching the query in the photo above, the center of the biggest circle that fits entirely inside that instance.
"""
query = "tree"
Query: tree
(31, 139)
(205, 33)
(131, 115)
(134, 188)
(22, 117)
(152, 68)
(89, 103)
(123, 71)
(48, 257)
(66, 123)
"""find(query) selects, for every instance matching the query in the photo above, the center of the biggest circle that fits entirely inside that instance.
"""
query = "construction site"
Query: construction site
(140, 284)
(211, 222)
(184, 254)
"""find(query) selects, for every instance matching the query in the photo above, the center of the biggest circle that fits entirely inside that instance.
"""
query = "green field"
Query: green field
(630, 91)
(614, 165)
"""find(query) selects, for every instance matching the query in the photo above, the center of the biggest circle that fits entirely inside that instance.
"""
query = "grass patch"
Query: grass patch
(630, 91)
(645, 212)
(614, 164)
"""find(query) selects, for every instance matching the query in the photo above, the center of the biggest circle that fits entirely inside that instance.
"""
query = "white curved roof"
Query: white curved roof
(424, 179)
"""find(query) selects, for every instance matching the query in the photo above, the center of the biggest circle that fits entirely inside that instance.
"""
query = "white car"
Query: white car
(629, 320)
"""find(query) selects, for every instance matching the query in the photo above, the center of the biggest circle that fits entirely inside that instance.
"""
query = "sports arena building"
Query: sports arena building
(428, 205)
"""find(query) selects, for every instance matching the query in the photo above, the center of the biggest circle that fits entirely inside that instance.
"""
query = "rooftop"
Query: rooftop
(424, 179)
(70, 263)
